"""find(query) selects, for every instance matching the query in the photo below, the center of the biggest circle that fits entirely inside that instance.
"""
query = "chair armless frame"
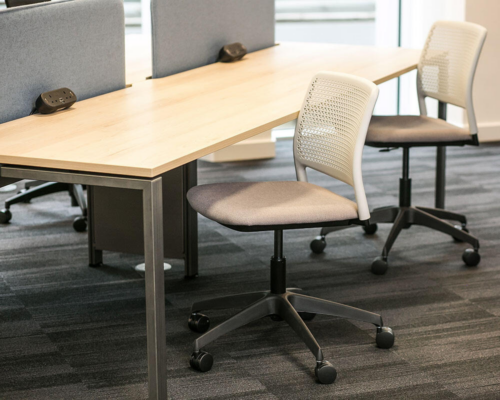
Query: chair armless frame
(341, 157)
(448, 64)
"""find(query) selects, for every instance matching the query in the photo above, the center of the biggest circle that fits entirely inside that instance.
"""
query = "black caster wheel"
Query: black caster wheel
(325, 373)
(460, 228)
(385, 337)
(370, 229)
(199, 323)
(5, 216)
(471, 257)
(80, 224)
(318, 245)
(379, 266)
(306, 316)
(201, 361)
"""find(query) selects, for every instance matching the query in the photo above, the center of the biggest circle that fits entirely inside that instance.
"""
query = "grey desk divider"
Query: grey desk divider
(63, 43)
(189, 33)
(186, 34)
(78, 44)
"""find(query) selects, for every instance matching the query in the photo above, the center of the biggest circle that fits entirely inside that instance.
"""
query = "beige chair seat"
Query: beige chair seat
(414, 129)
(270, 203)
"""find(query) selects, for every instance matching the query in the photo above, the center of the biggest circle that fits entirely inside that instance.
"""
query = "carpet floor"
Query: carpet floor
(68, 331)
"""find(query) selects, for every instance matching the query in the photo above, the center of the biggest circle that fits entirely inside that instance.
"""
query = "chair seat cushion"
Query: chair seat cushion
(413, 129)
(270, 203)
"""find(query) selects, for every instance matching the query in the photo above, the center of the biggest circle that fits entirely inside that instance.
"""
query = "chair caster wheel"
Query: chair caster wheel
(201, 361)
(80, 224)
(199, 323)
(370, 229)
(380, 266)
(385, 337)
(5, 216)
(471, 257)
(306, 316)
(460, 228)
(318, 245)
(325, 373)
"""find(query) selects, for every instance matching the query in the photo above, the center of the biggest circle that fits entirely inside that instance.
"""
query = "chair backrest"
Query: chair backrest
(188, 34)
(79, 44)
(331, 130)
(448, 64)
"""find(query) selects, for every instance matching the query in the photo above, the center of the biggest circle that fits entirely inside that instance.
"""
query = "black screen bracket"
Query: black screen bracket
(55, 100)
(232, 52)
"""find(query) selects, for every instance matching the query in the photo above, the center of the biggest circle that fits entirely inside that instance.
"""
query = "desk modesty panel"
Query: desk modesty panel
(160, 124)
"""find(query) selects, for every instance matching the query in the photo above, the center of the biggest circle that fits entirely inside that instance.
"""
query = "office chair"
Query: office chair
(34, 189)
(446, 73)
(329, 138)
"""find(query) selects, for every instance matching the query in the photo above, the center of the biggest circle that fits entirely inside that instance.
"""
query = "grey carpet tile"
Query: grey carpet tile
(76, 391)
(32, 362)
(71, 332)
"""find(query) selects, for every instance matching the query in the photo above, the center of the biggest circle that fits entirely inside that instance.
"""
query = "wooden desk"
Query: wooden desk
(127, 139)
(158, 125)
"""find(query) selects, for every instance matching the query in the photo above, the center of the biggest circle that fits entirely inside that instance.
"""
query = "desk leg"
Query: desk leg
(95, 256)
(155, 290)
(153, 251)
(191, 223)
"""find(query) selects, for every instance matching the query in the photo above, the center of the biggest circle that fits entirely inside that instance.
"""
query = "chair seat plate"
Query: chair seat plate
(270, 203)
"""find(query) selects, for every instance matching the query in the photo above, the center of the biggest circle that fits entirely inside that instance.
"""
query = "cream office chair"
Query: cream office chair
(446, 73)
(329, 138)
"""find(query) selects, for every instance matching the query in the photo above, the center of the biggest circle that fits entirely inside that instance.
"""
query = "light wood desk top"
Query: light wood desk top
(158, 125)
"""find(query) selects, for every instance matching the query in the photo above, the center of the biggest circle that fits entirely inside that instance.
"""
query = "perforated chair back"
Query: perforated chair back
(331, 130)
(79, 44)
(448, 64)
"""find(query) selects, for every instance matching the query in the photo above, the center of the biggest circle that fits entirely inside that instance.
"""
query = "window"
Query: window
(331, 21)
(133, 15)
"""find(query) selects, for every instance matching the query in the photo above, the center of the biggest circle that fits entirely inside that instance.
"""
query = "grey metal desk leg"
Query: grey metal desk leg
(441, 164)
(153, 251)
(95, 256)
(191, 223)
(155, 289)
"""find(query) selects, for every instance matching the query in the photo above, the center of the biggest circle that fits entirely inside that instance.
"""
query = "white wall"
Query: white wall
(146, 17)
(487, 82)
(386, 35)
